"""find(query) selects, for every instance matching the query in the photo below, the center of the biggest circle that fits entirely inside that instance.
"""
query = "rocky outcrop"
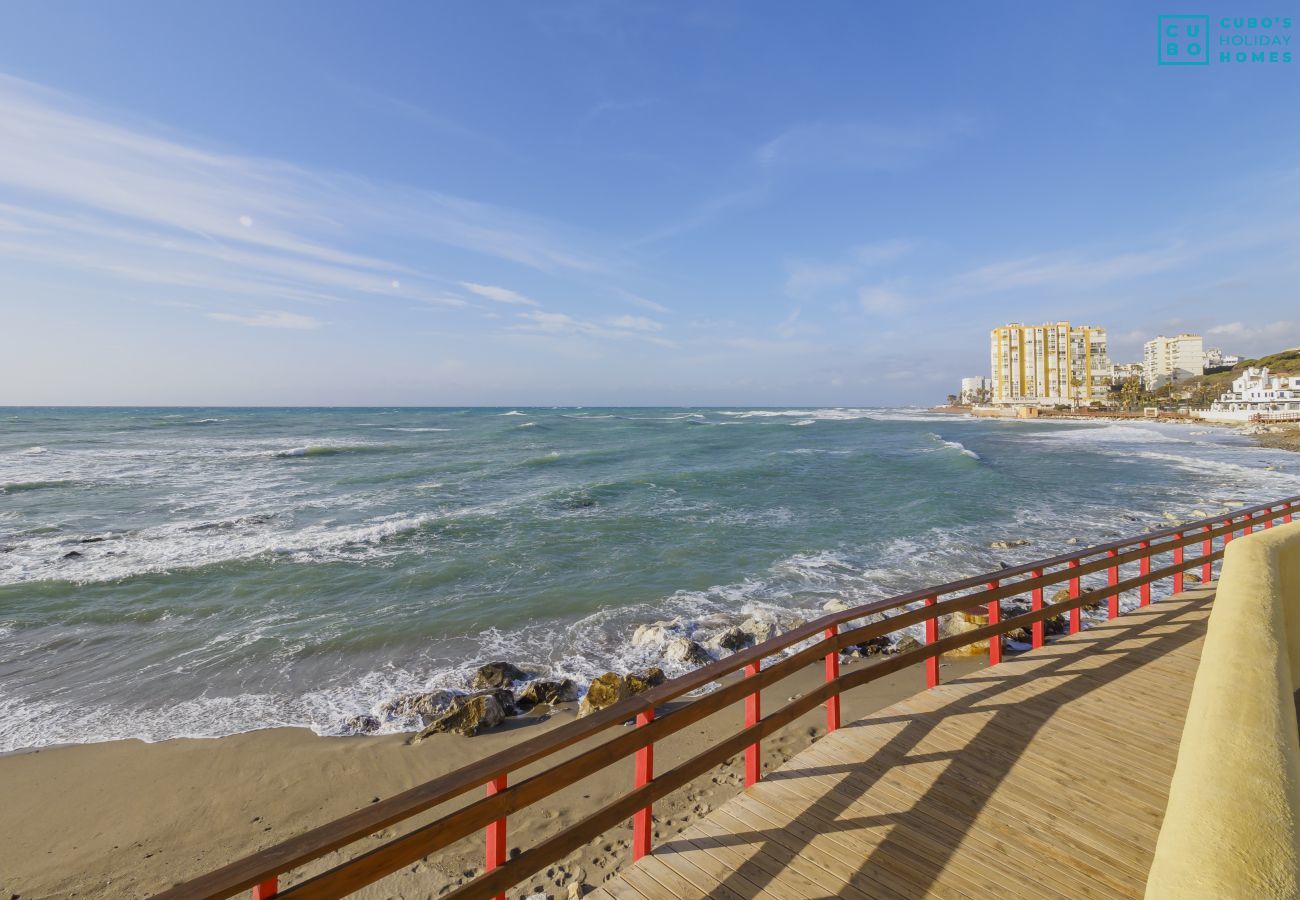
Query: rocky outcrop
(731, 640)
(656, 634)
(872, 647)
(362, 725)
(962, 622)
(549, 693)
(836, 605)
(504, 697)
(685, 650)
(1008, 544)
(608, 689)
(467, 716)
(906, 643)
(1191, 578)
(426, 706)
(498, 675)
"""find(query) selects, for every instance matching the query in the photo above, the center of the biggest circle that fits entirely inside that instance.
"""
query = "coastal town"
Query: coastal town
(1065, 368)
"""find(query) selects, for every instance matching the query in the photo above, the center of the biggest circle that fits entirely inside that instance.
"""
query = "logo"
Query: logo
(1184, 41)
(1187, 40)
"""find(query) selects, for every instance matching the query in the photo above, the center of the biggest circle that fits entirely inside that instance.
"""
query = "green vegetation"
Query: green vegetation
(1201, 391)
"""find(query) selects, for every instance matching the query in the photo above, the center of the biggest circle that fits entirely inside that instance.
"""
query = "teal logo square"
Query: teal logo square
(1183, 40)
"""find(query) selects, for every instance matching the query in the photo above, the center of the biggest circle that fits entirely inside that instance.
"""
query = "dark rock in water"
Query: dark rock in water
(611, 687)
(1020, 636)
(362, 724)
(1055, 625)
(504, 697)
(547, 692)
(498, 674)
(906, 643)
(72, 554)
(7, 548)
(1191, 578)
(427, 706)
(91, 540)
(580, 503)
(1002, 565)
(1008, 544)
(467, 716)
(732, 639)
(687, 651)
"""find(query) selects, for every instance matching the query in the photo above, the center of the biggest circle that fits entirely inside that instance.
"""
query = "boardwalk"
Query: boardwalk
(1045, 776)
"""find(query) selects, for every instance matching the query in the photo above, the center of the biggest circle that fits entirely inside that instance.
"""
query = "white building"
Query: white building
(1168, 359)
(1256, 391)
(975, 389)
(1122, 372)
(1046, 365)
(1217, 359)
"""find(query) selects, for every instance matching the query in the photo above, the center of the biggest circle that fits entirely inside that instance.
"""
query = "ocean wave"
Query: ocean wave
(17, 487)
(415, 430)
(329, 450)
(804, 422)
(513, 412)
(955, 445)
(526, 425)
(33, 451)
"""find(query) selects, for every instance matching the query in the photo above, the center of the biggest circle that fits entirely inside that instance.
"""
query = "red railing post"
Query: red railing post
(1178, 561)
(1227, 535)
(1112, 578)
(1249, 525)
(1076, 614)
(1144, 568)
(753, 712)
(995, 616)
(1036, 603)
(1268, 523)
(1287, 518)
(267, 889)
(832, 674)
(642, 827)
(496, 833)
(1207, 547)
(931, 635)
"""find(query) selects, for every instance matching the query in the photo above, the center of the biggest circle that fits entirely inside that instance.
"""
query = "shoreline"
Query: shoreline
(119, 818)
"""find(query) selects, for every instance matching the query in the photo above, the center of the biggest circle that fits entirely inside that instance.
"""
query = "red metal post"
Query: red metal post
(1287, 518)
(267, 889)
(642, 827)
(1144, 568)
(1227, 535)
(496, 833)
(1075, 614)
(1036, 603)
(1250, 525)
(1207, 547)
(1178, 561)
(931, 635)
(832, 673)
(1112, 578)
(753, 766)
(995, 616)
(1268, 523)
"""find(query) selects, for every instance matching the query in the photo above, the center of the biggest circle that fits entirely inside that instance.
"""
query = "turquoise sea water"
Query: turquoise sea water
(197, 572)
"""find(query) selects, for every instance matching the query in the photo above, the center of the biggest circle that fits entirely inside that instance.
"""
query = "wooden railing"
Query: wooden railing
(822, 639)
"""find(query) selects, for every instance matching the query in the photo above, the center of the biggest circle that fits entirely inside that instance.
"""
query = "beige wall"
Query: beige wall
(1230, 828)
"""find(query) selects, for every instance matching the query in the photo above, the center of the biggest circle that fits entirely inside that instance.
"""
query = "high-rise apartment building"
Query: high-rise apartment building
(1169, 359)
(1049, 364)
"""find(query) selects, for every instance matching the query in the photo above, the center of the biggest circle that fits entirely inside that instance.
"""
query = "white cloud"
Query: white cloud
(807, 278)
(790, 327)
(499, 294)
(270, 319)
(614, 327)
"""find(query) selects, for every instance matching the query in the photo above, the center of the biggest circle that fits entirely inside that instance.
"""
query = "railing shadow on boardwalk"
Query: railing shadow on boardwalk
(974, 774)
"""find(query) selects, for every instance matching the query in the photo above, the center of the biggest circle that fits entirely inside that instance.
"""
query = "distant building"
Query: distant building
(1169, 359)
(1256, 391)
(975, 390)
(1216, 359)
(1122, 372)
(1048, 364)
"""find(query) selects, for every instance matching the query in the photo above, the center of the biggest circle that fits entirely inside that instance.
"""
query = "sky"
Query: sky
(641, 203)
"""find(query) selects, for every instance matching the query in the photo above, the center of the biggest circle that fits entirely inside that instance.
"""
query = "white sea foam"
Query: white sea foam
(526, 425)
(33, 451)
(513, 412)
(804, 422)
(416, 430)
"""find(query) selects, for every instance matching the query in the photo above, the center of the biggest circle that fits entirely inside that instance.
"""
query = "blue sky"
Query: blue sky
(599, 203)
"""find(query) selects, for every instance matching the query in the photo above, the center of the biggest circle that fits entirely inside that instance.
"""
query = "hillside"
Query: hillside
(1287, 362)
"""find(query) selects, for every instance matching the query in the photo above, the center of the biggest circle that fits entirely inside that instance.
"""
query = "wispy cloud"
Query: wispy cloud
(1071, 269)
(705, 213)
(885, 299)
(791, 327)
(805, 278)
(861, 145)
(270, 319)
(620, 327)
(499, 294)
(82, 193)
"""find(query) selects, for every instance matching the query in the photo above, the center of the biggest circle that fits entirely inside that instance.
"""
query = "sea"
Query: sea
(172, 572)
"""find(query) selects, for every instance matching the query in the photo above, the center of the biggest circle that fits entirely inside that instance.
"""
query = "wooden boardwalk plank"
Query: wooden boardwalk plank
(1046, 776)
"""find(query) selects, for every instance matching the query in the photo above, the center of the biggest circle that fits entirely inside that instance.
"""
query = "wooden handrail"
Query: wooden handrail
(260, 869)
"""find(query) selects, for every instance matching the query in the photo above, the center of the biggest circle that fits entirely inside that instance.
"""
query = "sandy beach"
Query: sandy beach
(126, 818)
